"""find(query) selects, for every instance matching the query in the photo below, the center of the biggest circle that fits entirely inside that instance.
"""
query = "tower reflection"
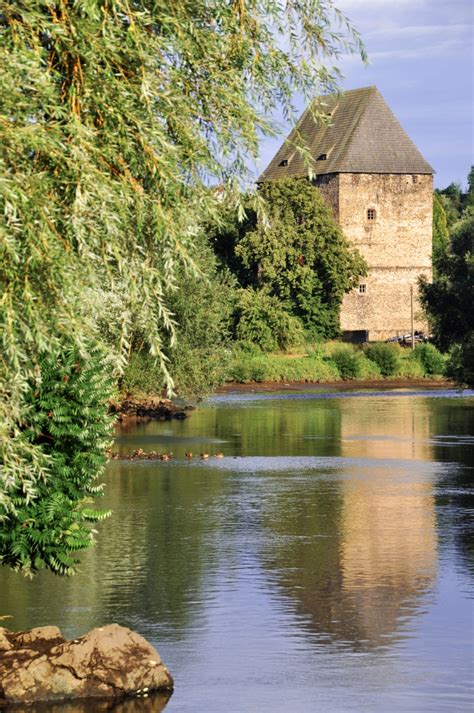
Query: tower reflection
(357, 551)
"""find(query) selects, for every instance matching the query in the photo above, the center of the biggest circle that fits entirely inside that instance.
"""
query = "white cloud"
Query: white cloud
(360, 5)
(440, 49)
(409, 31)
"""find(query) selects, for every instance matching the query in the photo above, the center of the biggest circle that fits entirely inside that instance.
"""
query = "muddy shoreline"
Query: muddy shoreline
(133, 409)
(379, 384)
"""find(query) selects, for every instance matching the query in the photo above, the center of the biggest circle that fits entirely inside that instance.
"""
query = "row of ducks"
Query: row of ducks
(140, 454)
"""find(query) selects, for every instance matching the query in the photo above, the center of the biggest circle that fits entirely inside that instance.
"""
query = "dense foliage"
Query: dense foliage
(296, 253)
(430, 358)
(346, 361)
(440, 232)
(203, 306)
(114, 119)
(386, 356)
(455, 201)
(448, 300)
(65, 415)
(262, 320)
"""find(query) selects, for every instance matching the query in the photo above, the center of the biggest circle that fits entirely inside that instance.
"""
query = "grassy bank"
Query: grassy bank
(329, 362)
(334, 361)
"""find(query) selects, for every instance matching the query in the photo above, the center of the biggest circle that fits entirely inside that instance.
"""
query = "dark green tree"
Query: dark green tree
(440, 232)
(448, 300)
(469, 198)
(452, 200)
(298, 253)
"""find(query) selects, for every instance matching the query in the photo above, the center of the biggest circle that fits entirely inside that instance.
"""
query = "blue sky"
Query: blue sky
(421, 59)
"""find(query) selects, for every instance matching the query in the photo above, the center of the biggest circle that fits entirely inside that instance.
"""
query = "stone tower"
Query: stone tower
(379, 187)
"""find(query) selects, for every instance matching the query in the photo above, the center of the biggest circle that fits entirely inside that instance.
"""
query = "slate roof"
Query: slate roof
(363, 136)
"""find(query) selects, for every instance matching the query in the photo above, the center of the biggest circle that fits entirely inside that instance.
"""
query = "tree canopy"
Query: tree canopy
(297, 253)
(440, 232)
(448, 300)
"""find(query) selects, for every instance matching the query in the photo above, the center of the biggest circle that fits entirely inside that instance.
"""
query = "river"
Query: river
(326, 563)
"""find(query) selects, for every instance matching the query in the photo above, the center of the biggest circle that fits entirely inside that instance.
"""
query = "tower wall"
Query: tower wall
(396, 244)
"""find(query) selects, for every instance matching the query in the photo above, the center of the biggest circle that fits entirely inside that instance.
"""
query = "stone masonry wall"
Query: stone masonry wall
(396, 245)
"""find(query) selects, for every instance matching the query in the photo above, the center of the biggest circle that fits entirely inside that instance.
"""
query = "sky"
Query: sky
(421, 60)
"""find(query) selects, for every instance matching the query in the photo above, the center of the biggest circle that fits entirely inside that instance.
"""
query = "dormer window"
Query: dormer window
(371, 214)
(284, 162)
(322, 157)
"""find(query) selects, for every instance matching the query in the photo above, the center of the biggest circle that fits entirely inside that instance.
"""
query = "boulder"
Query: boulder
(108, 662)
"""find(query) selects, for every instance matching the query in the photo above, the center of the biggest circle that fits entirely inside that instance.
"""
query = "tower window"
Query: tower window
(371, 214)
(362, 289)
(322, 157)
(415, 179)
(284, 162)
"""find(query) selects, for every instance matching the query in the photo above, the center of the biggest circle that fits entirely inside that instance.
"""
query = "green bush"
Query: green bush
(347, 362)
(66, 417)
(430, 358)
(386, 356)
(461, 362)
(367, 369)
(247, 347)
(262, 320)
(409, 366)
(142, 375)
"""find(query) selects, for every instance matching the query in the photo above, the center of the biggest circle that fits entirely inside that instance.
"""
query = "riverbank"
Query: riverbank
(336, 362)
(362, 384)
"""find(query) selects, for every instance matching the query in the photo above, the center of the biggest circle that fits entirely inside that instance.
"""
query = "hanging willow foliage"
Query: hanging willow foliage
(116, 117)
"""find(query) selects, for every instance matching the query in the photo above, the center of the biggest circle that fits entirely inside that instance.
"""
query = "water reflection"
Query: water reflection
(152, 704)
(330, 534)
(148, 564)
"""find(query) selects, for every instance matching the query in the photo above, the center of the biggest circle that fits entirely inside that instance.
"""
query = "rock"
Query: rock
(150, 408)
(5, 643)
(108, 662)
(40, 633)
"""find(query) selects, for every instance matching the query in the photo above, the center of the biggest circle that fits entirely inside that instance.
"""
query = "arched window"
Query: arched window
(371, 214)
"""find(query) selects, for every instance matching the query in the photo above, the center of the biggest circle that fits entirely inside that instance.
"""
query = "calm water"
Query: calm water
(325, 564)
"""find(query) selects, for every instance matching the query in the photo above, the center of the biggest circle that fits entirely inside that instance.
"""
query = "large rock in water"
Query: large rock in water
(108, 662)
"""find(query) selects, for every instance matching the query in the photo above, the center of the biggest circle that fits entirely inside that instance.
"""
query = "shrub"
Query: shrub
(142, 374)
(386, 356)
(461, 362)
(66, 417)
(247, 347)
(430, 358)
(367, 369)
(347, 362)
(409, 366)
(262, 320)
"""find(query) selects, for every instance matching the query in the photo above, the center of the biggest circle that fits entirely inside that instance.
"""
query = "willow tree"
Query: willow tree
(116, 116)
